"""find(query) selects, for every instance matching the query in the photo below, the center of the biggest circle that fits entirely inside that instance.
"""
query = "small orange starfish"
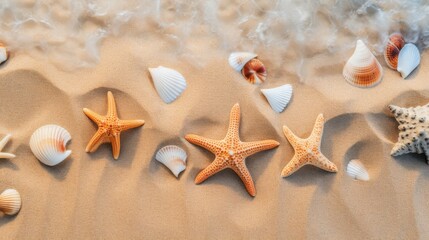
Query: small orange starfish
(109, 127)
(307, 151)
(231, 152)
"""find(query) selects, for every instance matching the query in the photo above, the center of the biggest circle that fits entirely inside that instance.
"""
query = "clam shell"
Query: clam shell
(4, 54)
(357, 170)
(237, 60)
(393, 47)
(278, 97)
(168, 82)
(254, 71)
(408, 60)
(10, 202)
(362, 69)
(172, 157)
(48, 144)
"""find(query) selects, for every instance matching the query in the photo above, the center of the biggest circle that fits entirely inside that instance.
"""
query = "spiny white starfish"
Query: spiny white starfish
(3, 142)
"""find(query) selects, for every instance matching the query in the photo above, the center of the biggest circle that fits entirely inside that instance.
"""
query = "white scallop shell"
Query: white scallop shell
(408, 60)
(48, 144)
(356, 170)
(362, 69)
(237, 60)
(3, 54)
(168, 82)
(278, 97)
(10, 202)
(173, 157)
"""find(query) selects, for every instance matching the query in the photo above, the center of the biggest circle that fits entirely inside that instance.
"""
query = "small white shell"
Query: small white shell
(408, 60)
(3, 54)
(48, 144)
(237, 60)
(278, 97)
(10, 202)
(168, 83)
(356, 170)
(173, 157)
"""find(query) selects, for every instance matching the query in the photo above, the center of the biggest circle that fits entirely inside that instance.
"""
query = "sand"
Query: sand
(93, 196)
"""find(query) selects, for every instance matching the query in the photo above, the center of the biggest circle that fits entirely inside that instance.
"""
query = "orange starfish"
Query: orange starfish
(307, 151)
(109, 127)
(231, 152)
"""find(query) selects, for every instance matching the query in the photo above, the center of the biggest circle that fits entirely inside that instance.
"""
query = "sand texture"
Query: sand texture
(93, 196)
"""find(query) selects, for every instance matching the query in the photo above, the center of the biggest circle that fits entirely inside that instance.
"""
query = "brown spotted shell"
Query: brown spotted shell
(254, 71)
(391, 52)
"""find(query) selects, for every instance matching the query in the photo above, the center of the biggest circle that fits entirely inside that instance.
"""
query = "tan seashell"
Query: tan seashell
(10, 202)
(362, 69)
(254, 71)
(393, 47)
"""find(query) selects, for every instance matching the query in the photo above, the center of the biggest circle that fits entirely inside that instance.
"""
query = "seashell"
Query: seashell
(362, 69)
(4, 54)
(408, 60)
(393, 47)
(48, 144)
(278, 97)
(173, 157)
(254, 71)
(168, 83)
(237, 60)
(356, 170)
(10, 202)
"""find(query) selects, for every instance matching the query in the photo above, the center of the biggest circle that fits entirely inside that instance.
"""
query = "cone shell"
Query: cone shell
(168, 82)
(172, 157)
(362, 69)
(254, 71)
(278, 97)
(10, 202)
(408, 60)
(48, 144)
(357, 170)
(237, 60)
(393, 47)
(4, 54)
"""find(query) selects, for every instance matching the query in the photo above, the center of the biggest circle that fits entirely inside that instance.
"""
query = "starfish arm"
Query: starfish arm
(293, 165)
(213, 146)
(4, 141)
(116, 145)
(246, 178)
(250, 148)
(216, 166)
(6, 155)
(234, 122)
(111, 105)
(291, 137)
(95, 117)
(323, 163)
(96, 141)
(129, 124)
(318, 128)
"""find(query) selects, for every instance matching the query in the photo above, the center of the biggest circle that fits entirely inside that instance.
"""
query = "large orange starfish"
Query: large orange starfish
(109, 127)
(307, 151)
(231, 152)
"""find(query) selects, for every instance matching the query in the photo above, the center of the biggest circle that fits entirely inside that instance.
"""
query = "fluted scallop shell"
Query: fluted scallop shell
(237, 60)
(362, 69)
(254, 71)
(357, 170)
(10, 202)
(394, 45)
(4, 54)
(278, 97)
(168, 82)
(172, 157)
(48, 144)
(408, 60)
